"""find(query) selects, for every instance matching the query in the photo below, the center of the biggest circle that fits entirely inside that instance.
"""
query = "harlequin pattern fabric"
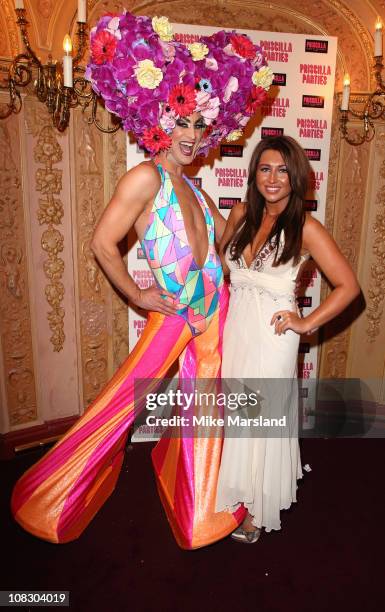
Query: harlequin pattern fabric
(169, 254)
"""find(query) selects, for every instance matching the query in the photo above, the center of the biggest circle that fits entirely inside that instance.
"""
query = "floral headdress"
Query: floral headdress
(150, 80)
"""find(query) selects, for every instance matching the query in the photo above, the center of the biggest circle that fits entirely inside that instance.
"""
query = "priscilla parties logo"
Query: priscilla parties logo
(228, 150)
(227, 203)
(316, 46)
(313, 101)
(311, 205)
(279, 79)
(186, 38)
(231, 177)
(143, 278)
(313, 154)
(304, 301)
(276, 50)
(271, 131)
(140, 253)
(196, 181)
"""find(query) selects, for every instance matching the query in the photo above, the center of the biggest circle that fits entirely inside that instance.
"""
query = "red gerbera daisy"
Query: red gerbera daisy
(103, 47)
(155, 140)
(243, 46)
(182, 100)
(257, 97)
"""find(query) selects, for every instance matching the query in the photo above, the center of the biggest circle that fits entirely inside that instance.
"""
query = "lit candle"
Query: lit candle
(82, 11)
(378, 38)
(67, 61)
(345, 93)
(19, 4)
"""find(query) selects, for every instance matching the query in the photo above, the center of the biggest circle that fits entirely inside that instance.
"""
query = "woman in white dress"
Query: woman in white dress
(267, 239)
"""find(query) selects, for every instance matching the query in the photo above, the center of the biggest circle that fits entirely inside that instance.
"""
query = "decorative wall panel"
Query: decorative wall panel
(15, 316)
(92, 288)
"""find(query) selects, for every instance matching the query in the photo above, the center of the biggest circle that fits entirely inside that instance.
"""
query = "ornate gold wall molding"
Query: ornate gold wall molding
(92, 290)
(117, 167)
(376, 291)
(48, 152)
(11, 31)
(15, 319)
(347, 227)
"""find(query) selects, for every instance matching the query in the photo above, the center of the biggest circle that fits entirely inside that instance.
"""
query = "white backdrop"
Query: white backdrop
(300, 105)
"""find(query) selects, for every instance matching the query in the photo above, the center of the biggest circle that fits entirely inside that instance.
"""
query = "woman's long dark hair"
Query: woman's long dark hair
(291, 220)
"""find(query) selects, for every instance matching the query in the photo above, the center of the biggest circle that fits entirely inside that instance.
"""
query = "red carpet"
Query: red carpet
(328, 556)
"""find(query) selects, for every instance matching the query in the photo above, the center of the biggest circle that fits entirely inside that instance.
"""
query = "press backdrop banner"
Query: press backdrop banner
(300, 104)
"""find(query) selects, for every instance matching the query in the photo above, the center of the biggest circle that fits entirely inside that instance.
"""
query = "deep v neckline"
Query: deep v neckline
(203, 206)
(257, 254)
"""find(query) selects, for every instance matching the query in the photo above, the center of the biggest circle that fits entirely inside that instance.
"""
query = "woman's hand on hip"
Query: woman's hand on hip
(287, 319)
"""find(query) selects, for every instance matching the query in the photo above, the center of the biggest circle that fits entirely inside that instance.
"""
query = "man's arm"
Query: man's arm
(219, 220)
(236, 214)
(135, 190)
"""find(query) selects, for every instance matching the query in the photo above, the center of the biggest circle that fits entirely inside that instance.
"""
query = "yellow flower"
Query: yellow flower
(263, 77)
(148, 75)
(163, 28)
(234, 135)
(198, 50)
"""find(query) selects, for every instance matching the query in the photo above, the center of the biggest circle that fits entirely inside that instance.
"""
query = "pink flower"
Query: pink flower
(168, 50)
(231, 87)
(114, 23)
(210, 110)
(211, 63)
(258, 60)
(167, 119)
(103, 47)
(242, 119)
(202, 98)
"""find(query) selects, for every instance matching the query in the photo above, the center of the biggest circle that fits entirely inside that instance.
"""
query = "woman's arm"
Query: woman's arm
(134, 192)
(321, 246)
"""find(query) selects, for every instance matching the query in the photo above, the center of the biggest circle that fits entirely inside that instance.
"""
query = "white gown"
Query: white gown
(261, 472)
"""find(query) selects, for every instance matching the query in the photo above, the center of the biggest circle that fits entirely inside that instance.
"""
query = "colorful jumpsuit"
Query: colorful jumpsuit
(58, 496)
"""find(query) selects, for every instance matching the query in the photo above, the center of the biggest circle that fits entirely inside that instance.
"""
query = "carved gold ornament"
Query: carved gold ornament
(50, 213)
(15, 317)
(376, 293)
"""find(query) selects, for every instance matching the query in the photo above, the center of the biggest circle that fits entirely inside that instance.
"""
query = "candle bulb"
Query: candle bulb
(82, 11)
(345, 93)
(19, 4)
(67, 61)
(378, 39)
